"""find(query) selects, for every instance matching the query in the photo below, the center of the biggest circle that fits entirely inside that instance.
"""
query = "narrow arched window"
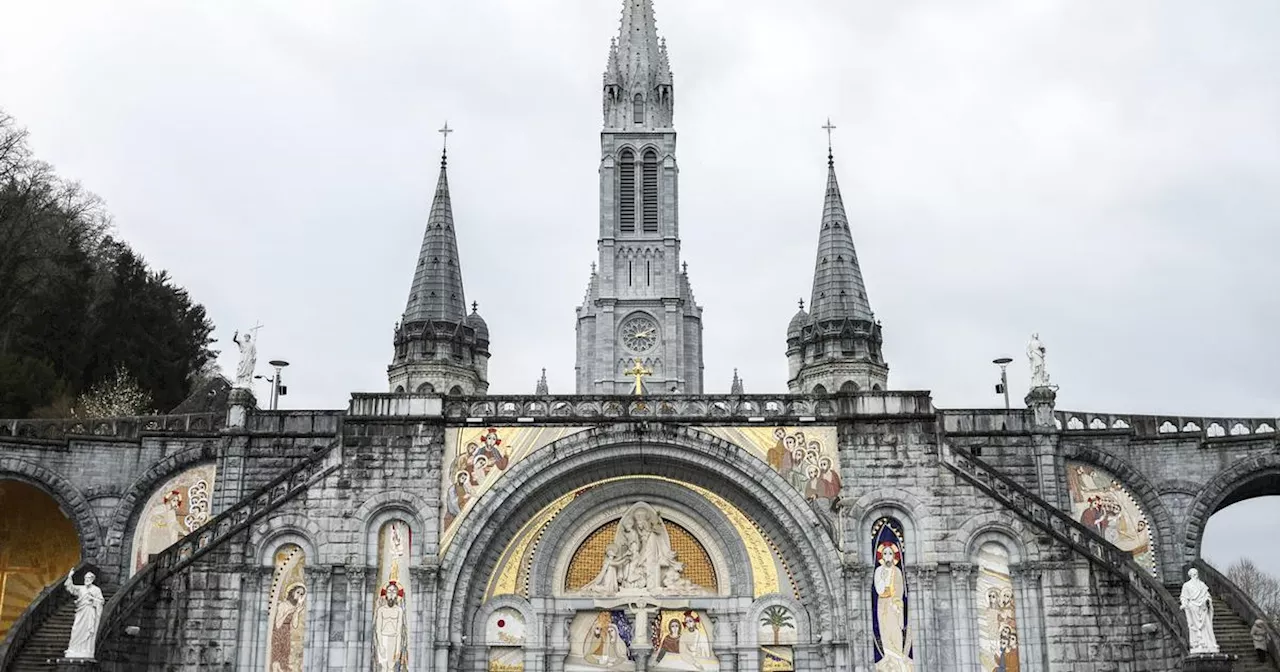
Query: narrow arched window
(650, 191)
(627, 191)
(637, 109)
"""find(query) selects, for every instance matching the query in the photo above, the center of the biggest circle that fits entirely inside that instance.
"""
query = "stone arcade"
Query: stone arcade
(842, 525)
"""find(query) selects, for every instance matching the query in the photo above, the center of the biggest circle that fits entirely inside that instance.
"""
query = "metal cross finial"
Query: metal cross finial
(639, 371)
(475, 306)
(828, 128)
(801, 304)
(445, 132)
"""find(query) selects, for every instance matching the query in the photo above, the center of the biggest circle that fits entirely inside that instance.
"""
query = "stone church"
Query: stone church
(640, 523)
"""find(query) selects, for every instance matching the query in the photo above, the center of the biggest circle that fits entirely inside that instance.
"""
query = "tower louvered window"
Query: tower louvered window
(650, 191)
(627, 192)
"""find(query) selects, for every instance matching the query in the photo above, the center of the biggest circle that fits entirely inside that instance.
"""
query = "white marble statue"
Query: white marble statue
(1198, 606)
(248, 358)
(84, 630)
(1035, 353)
(640, 560)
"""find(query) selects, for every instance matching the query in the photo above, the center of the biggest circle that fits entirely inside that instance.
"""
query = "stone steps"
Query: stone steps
(1232, 633)
(49, 641)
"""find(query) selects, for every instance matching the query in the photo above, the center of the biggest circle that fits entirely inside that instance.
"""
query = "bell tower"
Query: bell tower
(639, 304)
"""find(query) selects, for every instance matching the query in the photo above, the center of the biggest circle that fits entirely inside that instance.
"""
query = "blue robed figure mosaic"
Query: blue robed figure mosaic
(889, 626)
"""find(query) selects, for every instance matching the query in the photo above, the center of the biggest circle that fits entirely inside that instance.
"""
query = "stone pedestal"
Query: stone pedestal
(1040, 400)
(1207, 662)
(239, 403)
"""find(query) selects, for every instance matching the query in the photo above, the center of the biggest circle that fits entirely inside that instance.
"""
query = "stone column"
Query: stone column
(317, 636)
(357, 599)
(1030, 615)
(925, 614)
(963, 585)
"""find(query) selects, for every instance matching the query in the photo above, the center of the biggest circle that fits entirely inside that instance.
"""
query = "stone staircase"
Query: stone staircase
(48, 639)
(1232, 632)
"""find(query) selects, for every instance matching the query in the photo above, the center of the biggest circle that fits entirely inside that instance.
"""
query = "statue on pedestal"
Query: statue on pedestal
(248, 357)
(84, 630)
(1035, 353)
(1197, 604)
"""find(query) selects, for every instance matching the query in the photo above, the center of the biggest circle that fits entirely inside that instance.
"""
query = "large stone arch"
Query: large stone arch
(125, 517)
(672, 451)
(543, 575)
(1244, 479)
(73, 502)
(1165, 527)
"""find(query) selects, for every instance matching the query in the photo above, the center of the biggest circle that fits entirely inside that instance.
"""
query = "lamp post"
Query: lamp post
(277, 384)
(1003, 387)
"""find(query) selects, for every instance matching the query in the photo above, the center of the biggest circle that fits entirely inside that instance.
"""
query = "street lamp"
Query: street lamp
(1003, 386)
(278, 387)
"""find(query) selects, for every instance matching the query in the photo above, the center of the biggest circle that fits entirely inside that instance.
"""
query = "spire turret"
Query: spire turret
(835, 346)
(637, 77)
(439, 348)
(736, 386)
(542, 389)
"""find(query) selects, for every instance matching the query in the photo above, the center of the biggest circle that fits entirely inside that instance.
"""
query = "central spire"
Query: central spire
(637, 77)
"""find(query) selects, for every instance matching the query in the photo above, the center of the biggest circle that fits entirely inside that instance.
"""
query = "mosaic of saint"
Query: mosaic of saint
(390, 620)
(287, 611)
(174, 511)
(600, 640)
(806, 457)
(476, 457)
(1101, 503)
(997, 622)
(890, 628)
(38, 545)
(639, 558)
(681, 642)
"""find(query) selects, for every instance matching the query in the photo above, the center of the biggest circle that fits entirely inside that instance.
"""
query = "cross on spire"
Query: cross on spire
(638, 371)
(828, 128)
(445, 131)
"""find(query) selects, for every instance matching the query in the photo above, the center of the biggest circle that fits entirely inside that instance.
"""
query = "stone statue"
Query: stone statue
(84, 630)
(248, 358)
(640, 560)
(1035, 352)
(1198, 606)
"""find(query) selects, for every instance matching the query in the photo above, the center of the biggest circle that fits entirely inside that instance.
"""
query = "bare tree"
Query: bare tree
(1257, 584)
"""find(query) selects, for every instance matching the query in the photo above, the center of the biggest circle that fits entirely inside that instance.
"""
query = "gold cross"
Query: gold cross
(639, 372)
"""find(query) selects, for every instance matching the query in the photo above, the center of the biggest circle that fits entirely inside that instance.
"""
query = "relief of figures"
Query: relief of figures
(640, 559)
(806, 458)
(390, 620)
(681, 642)
(1101, 502)
(997, 621)
(600, 640)
(181, 505)
(891, 630)
(475, 458)
(287, 611)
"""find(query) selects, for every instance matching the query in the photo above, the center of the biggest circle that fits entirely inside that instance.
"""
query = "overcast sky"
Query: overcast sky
(1105, 173)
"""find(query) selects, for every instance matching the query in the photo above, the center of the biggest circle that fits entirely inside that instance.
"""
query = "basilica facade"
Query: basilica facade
(640, 523)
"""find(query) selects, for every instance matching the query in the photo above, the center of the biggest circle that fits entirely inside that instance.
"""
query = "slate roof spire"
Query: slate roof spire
(838, 289)
(436, 293)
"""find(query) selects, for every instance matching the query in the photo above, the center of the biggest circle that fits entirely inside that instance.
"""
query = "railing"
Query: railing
(113, 428)
(52, 598)
(214, 533)
(1240, 603)
(1088, 543)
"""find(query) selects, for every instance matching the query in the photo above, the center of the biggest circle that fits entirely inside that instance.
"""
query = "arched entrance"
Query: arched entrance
(1239, 520)
(38, 546)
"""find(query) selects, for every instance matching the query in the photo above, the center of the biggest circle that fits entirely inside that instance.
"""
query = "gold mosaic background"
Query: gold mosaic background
(589, 557)
(38, 545)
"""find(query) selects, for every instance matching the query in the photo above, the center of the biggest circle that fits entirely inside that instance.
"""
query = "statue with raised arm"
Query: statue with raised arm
(248, 358)
(1035, 353)
(84, 630)
(1197, 604)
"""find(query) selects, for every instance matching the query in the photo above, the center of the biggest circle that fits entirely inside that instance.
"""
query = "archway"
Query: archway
(1240, 524)
(38, 546)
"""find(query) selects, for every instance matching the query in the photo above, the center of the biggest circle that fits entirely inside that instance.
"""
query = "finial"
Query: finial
(802, 304)
(830, 155)
(444, 152)
(593, 268)
(686, 268)
(475, 306)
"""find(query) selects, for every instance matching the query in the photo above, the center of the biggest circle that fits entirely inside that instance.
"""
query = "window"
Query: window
(627, 192)
(637, 109)
(650, 191)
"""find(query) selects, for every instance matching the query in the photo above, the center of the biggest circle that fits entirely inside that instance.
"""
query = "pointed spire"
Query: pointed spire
(638, 88)
(436, 293)
(639, 50)
(736, 386)
(542, 389)
(838, 289)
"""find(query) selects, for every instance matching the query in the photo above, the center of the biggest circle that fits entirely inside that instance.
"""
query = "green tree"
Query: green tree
(777, 617)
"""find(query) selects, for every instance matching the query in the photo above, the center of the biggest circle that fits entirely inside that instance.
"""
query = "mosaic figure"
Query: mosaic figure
(287, 611)
(181, 505)
(1101, 503)
(889, 607)
(390, 619)
(997, 620)
(600, 640)
(681, 642)
(809, 463)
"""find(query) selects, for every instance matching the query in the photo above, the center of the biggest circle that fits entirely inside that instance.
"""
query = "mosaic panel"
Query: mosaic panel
(391, 598)
(287, 611)
(997, 621)
(807, 457)
(890, 627)
(682, 641)
(600, 640)
(1103, 504)
(172, 512)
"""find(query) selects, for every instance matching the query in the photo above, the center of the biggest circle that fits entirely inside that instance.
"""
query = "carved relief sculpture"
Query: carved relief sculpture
(84, 629)
(640, 559)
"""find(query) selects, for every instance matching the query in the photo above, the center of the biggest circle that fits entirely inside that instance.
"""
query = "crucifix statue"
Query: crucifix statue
(639, 372)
